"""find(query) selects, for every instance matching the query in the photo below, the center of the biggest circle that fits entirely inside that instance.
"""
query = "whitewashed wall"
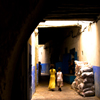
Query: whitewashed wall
(44, 56)
(87, 42)
(88, 45)
(33, 49)
(98, 42)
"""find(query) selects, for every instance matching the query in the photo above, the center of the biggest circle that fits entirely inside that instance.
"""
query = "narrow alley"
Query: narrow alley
(42, 92)
(49, 32)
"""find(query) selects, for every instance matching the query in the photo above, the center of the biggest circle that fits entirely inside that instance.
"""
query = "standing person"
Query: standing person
(72, 67)
(39, 73)
(52, 81)
(69, 66)
(59, 79)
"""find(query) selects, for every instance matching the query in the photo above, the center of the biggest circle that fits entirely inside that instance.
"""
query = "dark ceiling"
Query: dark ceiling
(74, 10)
(79, 10)
(57, 34)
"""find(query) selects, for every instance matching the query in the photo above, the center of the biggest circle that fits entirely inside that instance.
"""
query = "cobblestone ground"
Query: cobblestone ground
(42, 92)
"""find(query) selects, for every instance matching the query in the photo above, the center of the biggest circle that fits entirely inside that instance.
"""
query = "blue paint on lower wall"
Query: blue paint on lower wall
(68, 78)
(96, 71)
(33, 80)
(65, 68)
(45, 67)
(37, 73)
(58, 64)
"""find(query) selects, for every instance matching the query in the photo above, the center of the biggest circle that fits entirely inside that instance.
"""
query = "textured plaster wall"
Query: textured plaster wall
(36, 57)
(86, 44)
(98, 42)
(44, 55)
(33, 49)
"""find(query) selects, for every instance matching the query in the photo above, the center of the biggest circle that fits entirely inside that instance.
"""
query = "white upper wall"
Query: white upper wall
(87, 42)
(90, 44)
(33, 49)
(98, 42)
(44, 56)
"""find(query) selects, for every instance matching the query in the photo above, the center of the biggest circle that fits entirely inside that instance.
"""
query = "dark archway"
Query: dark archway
(18, 20)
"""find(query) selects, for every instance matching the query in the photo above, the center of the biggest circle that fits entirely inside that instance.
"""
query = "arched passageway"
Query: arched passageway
(42, 90)
(17, 21)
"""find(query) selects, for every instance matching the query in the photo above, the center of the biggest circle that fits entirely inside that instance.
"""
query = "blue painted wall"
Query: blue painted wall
(68, 78)
(65, 68)
(96, 71)
(75, 56)
(58, 64)
(37, 74)
(45, 67)
(33, 80)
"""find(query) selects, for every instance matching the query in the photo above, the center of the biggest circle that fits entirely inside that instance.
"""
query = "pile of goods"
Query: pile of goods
(84, 81)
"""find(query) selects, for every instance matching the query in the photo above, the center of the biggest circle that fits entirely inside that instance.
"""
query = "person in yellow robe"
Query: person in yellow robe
(52, 81)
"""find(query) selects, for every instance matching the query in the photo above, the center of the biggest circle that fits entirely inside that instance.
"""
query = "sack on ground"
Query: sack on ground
(86, 74)
(87, 93)
(86, 69)
(82, 86)
(77, 70)
(73, 85)
(89, 89)
(88, 80)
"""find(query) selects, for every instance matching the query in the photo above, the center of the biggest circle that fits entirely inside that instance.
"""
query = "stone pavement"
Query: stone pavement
(42, 92)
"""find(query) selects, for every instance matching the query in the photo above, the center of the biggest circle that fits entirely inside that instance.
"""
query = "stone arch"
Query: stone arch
(20, 38)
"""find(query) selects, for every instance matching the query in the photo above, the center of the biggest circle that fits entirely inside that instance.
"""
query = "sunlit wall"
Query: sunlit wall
(33, 49)
(89, 45)
(44, 58)
(86, 44)
(33, 63)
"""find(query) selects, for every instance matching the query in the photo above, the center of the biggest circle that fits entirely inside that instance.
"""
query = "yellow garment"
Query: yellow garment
(52, 79)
